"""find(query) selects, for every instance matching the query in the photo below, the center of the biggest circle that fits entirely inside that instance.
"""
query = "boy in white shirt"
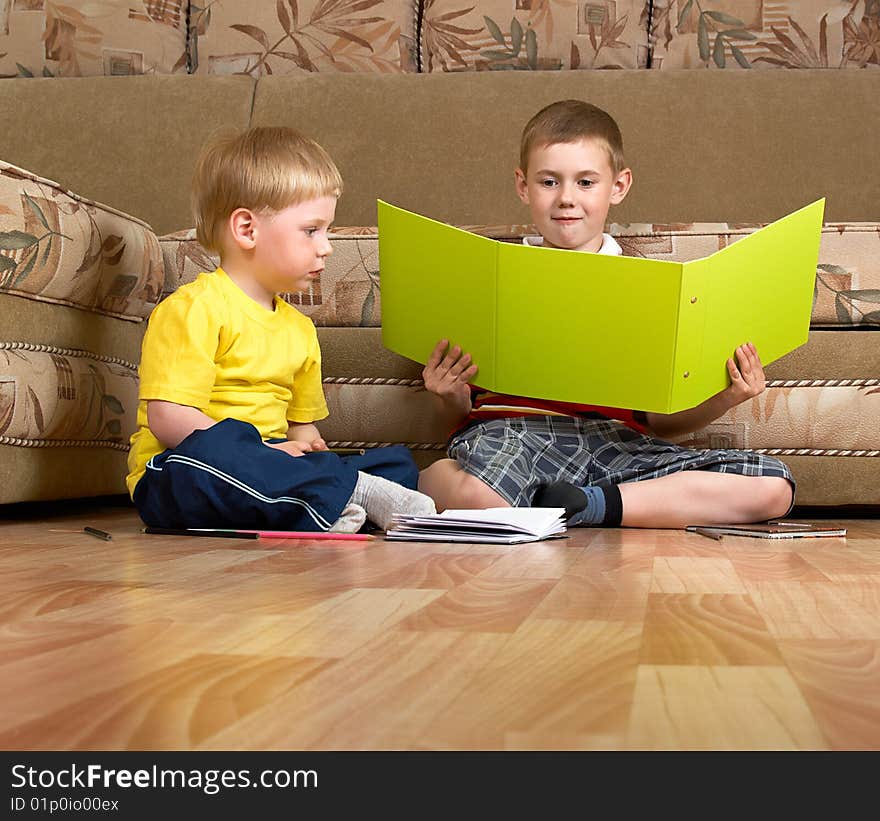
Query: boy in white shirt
(606, 466)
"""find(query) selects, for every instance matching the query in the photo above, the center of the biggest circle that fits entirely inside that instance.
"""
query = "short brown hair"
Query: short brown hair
(567, 121)
(265, 168)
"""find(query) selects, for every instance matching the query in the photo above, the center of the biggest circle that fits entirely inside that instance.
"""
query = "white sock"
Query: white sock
(351, 520)
(382, 498)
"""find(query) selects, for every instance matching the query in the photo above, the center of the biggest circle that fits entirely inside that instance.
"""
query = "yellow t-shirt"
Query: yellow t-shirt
(212, 347)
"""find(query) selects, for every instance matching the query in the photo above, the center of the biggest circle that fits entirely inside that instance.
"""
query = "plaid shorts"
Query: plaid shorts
(516, 455)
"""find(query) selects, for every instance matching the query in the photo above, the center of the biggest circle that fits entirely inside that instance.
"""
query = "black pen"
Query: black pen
(99, 534)
(216, 533)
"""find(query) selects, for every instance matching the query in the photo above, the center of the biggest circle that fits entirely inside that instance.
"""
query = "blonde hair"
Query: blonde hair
(567, 121)
(265, 168)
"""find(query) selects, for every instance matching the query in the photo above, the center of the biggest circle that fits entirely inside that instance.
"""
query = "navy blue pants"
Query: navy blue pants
(226, 476)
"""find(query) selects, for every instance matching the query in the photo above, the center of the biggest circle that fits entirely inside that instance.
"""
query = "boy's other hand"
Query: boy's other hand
(746, 375)
(448, 372)
(295, 448)
(318, 444)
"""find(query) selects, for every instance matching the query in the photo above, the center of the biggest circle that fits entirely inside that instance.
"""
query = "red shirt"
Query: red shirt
(488, 405)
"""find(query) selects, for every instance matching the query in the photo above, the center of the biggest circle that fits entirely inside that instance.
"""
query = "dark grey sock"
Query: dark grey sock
(584, 506)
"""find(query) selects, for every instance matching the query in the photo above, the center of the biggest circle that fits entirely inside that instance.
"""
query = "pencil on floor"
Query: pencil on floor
(324, 535)
(99, 534)
(708, 534)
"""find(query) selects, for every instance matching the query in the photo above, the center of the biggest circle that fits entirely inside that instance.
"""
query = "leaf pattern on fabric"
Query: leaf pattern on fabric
(541, 35)
(92, 37)
(57, 247)
(348, 293)
(48, 396)
(297, 36)
(757, 34)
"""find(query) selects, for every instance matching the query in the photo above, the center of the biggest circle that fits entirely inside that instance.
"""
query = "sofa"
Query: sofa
(714, 154)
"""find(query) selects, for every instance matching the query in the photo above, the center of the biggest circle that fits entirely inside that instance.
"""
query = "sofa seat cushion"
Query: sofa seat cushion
(58, 247)
(348, 293)
(53, 397)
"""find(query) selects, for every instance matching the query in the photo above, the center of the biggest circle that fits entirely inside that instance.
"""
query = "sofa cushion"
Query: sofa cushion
(55, 397)
(89, 37)
(348, 293)
(129, 142)
(446, 145)
(498, 35)
(56, 246)
(47, 323)
(302, 37)
(754, 35)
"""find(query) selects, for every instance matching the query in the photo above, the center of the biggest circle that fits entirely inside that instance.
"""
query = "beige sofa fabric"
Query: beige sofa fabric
(754, 34)
(697, 141)
(77, 280)
(713, 146)
(79, 38)
(829, 481)
(348, 293)
(44, 323)
(536, 35)
(129, 142)
(265, 37)
(63, 395)
(30, 474)
(56, 246)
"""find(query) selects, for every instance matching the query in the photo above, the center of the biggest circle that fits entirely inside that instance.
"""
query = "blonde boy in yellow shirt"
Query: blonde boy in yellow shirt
(230, 374)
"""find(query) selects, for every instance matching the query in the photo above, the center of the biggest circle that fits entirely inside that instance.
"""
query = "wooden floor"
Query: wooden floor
(611, 639)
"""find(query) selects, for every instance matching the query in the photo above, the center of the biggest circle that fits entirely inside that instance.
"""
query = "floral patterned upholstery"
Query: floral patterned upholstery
(56, 246)
(534, 35)
(743, 34)
(348, 293)
(91, 37)
(261, 37)
(289, 36)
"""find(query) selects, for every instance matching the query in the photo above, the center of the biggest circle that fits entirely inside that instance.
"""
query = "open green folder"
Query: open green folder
(622, 332)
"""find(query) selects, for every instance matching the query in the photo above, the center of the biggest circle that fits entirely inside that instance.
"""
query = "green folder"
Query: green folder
(613, 331)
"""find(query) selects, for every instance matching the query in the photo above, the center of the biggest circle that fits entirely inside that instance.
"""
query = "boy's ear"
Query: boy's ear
(621, 186)
(522, 189)
(242, 227)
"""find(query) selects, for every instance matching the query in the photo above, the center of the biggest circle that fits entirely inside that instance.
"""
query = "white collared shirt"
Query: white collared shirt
(609, 245)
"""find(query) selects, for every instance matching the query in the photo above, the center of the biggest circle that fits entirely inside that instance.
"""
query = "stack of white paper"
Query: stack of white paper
(496, 525)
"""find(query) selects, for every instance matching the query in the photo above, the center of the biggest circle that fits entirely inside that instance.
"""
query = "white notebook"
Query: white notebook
(495, 525)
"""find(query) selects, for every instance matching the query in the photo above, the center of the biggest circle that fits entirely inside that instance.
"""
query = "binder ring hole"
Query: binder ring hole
(687, 374)
(693, 300)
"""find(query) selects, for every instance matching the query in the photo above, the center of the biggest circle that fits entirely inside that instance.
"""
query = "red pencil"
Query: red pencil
(305, 534)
